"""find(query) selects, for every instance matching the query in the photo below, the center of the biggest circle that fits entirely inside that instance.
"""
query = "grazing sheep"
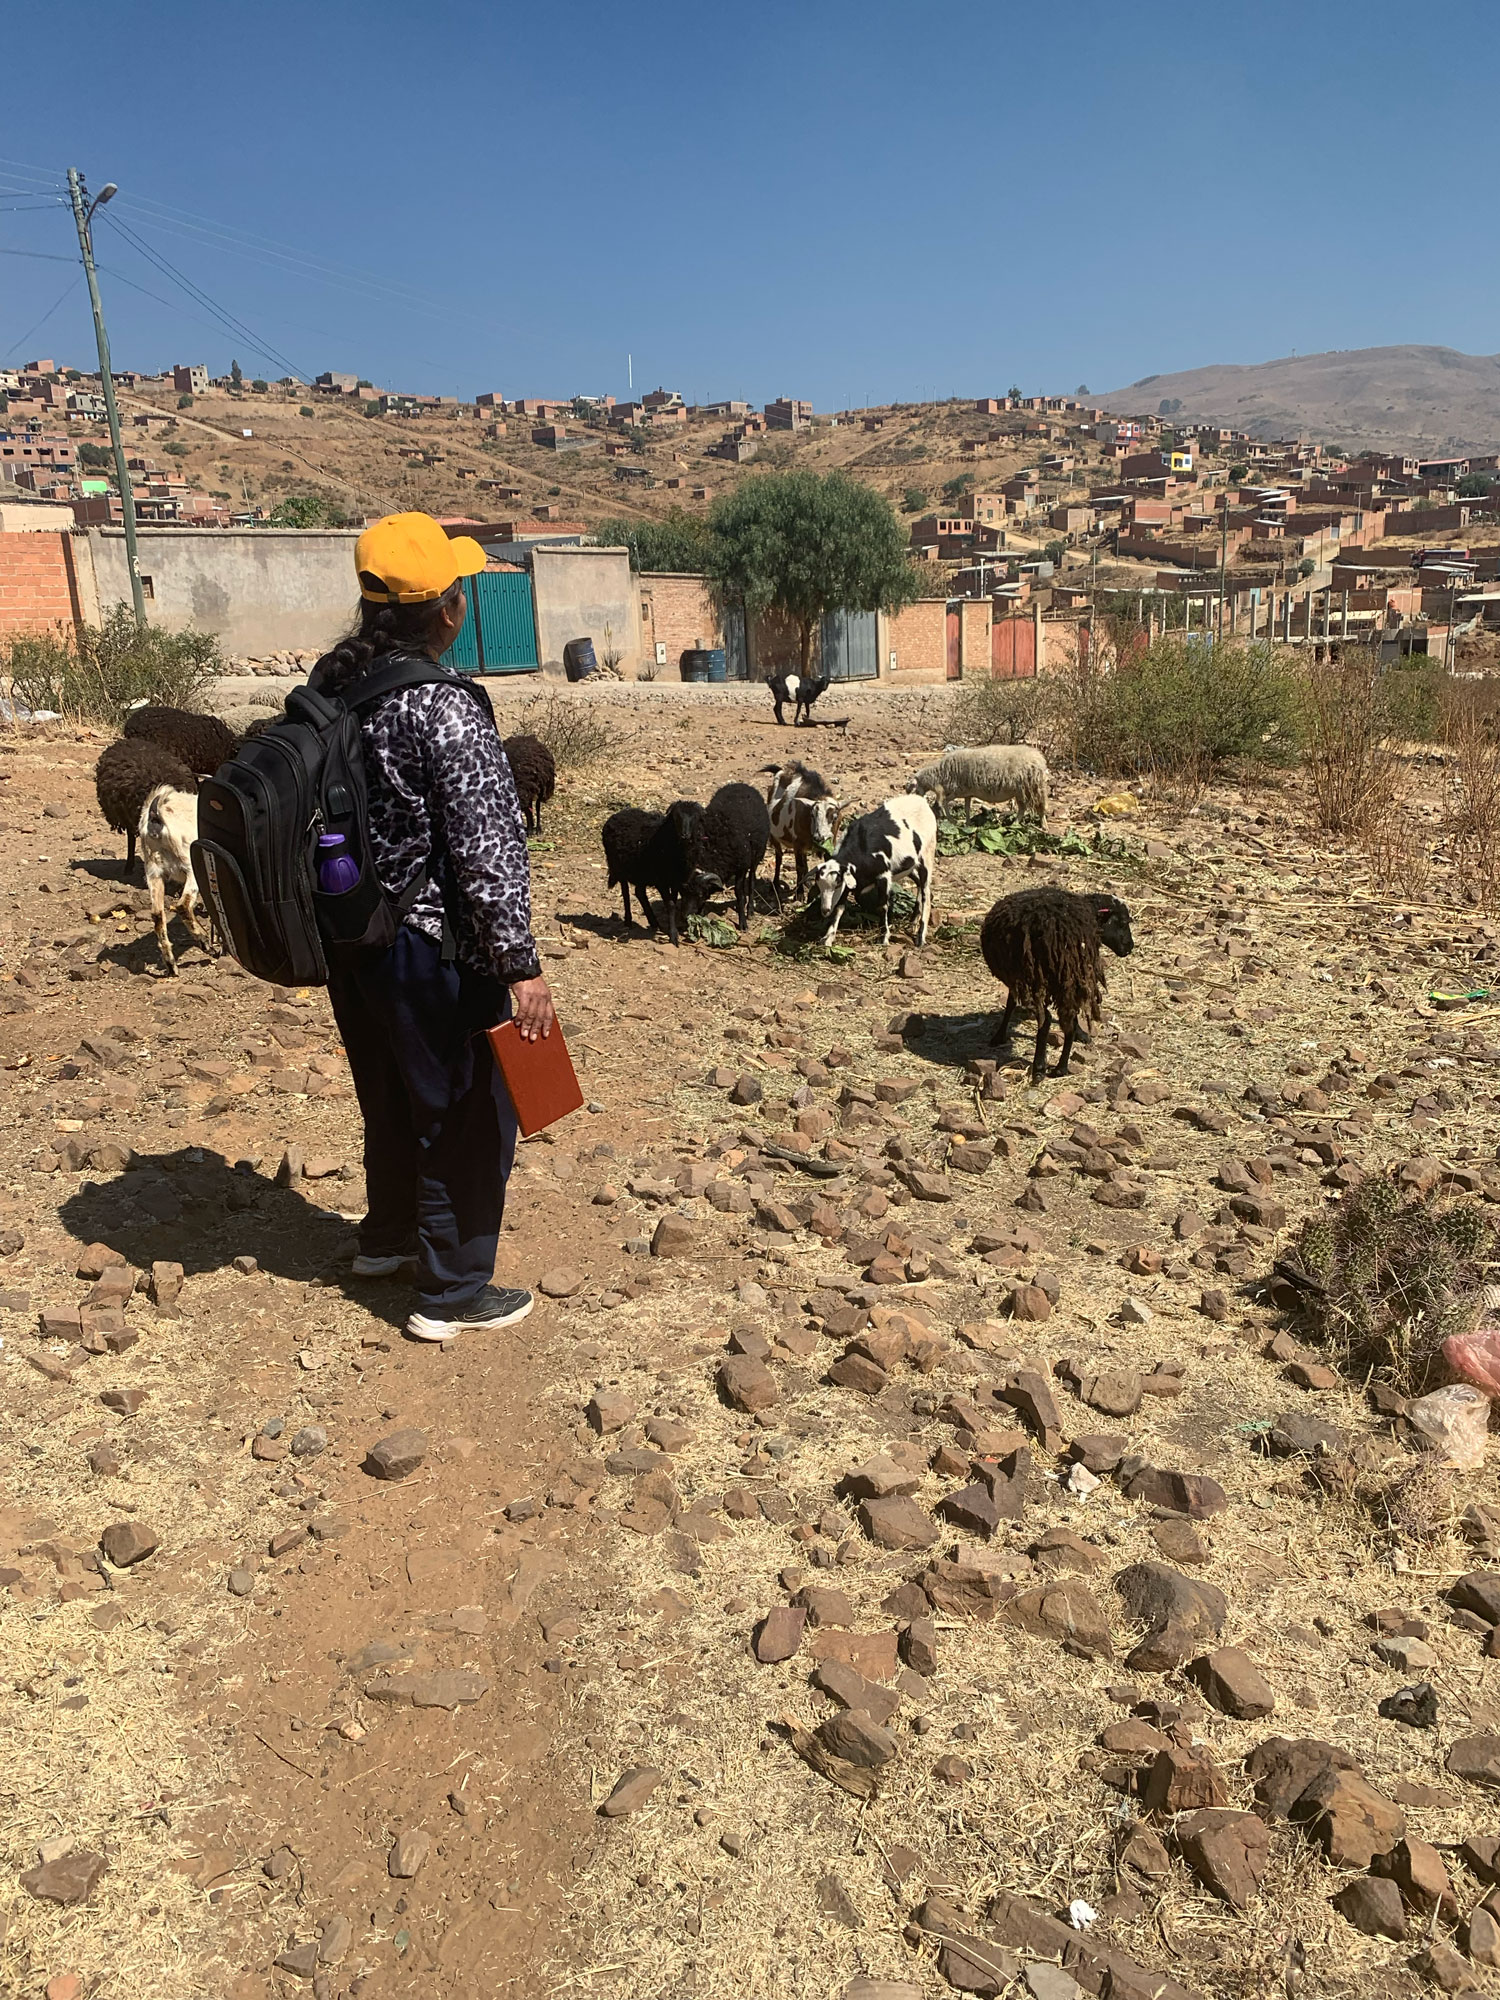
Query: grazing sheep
(999, 772)
(168, 828)
(733, 835)
(801, 690)
(625, 835)
(127, 773)
(804, 816)
(898, 838)
(535, 772)
(202, 742)
(1044, 945)
(667, 861)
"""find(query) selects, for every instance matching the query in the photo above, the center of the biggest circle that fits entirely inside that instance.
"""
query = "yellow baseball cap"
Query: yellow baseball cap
(408, 559)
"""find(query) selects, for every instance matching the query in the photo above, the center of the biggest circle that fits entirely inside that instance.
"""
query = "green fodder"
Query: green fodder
(109, 668)
(1386, 1278)
(988, 833)
(574, 731)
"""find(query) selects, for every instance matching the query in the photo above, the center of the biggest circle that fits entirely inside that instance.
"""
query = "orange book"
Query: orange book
(539, 1076)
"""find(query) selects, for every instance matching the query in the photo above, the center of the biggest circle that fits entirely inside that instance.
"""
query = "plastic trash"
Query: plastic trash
(1476, 1357)
(1115, 805)
(1455, 1421)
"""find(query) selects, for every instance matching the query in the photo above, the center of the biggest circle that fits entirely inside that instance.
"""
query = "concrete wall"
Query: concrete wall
(262, 590)
(578, 593)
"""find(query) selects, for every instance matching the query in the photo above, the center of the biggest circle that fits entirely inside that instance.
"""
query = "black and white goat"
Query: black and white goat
(898, 839)
(801, 690)
(804, 816)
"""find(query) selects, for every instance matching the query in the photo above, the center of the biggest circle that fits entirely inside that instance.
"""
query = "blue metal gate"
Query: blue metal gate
(850, 649)
(499, 634)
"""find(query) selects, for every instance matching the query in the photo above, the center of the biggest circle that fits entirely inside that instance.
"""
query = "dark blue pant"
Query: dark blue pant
(440, 1130)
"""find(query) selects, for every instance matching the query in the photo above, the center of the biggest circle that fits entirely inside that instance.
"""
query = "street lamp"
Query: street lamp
(82, 217)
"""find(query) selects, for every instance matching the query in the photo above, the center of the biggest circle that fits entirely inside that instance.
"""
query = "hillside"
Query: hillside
(363, 465)
(1429, 399)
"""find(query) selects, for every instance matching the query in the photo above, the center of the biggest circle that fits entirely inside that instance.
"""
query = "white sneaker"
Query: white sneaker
(495, 1306)
(381, 1267)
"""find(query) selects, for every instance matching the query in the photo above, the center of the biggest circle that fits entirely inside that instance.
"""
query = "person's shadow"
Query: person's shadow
(194, 1208)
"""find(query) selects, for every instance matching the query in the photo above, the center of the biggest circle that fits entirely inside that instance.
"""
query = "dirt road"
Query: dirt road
(335, 1733)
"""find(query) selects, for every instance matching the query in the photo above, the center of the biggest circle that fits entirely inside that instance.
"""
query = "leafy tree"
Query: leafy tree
(1306, 566)
(298, 510)
(259, 387)
(914, 499)
(1239, 472)
(307, 410)
(1014, 389)
(1082, 389)
(95, 456)
(955, 489)
(1169, 406)
(1054, 552)
(676, 544)
(184, 402)
(1474, 485)
(803, 544)
(236, 374)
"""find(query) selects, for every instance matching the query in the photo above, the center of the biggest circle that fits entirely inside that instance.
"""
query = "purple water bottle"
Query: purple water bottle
(337, 868)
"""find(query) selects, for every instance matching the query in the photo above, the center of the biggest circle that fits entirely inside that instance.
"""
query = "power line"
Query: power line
(28, 170)
(61, 299)
(47, 256)
(226, 319)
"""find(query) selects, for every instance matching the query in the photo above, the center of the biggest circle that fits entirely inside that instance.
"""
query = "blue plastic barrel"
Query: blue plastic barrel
(695, 663)
(718, 665)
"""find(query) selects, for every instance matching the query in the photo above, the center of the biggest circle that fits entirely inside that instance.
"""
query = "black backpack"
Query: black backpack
(260, 817)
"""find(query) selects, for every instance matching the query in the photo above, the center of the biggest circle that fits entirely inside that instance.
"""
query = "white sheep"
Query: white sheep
(993, 774)
(168, 828)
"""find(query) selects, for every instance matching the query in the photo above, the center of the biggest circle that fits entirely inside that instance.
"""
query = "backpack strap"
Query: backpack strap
(406, 670)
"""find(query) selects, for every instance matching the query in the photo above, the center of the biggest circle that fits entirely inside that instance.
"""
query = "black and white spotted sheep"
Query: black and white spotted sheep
(897, 839)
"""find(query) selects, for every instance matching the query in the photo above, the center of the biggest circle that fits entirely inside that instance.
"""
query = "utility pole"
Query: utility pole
(83, 217)
(1223, 558)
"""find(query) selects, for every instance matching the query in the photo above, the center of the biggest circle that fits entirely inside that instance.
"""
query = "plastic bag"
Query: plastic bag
(1455, 1421)
(1476, 1357)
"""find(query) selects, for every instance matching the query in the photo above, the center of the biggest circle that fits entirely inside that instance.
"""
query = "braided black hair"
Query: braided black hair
(381, 629)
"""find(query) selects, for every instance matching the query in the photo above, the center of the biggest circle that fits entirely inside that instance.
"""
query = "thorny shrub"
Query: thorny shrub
(110, 668)
(574, 731)
(1474, 795)
(1385, 1279)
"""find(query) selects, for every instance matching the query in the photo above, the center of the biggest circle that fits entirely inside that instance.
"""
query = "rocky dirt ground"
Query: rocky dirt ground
(903, 1525)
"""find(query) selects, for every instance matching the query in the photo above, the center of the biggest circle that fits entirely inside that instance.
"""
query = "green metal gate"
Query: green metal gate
(499, 634)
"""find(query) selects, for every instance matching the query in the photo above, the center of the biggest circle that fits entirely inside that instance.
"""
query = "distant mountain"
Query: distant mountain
(1430, 399)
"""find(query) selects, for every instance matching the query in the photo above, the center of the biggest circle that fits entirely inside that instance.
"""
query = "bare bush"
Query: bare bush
(573, 730)
(109, 668)
(1474, 796)
(1007, 711)
(1350, 752)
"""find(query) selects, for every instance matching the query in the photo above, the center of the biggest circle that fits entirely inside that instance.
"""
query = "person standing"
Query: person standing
(449, 846)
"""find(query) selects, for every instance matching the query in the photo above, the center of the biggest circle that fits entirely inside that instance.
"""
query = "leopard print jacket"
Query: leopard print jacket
(442, 798)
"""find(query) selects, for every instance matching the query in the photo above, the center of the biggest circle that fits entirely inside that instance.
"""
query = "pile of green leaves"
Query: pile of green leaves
(1386, 1278)
(988, 833)
(715, 931)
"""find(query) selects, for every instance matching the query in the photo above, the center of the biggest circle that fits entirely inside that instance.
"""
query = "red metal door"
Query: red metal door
(953, 665)
(1012, 649)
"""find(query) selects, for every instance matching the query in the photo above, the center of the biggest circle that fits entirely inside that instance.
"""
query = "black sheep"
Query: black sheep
(1043, 944)
(127, 773)
(801, 690)
(668, 859)
(625, 834)
(733, 836)
(535, 772)
(202, 742)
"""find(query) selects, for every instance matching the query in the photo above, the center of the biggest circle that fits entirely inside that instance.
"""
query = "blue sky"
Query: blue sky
(847, 200)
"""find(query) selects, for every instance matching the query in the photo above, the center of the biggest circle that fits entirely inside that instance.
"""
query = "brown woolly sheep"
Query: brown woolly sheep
(535, 772)
(202, 742)
(1043, 944)
(127, 773)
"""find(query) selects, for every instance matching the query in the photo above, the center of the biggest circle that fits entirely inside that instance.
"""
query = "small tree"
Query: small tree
(259, 386)
(184, 402)
(298, 510)
(804, 544)
(236, 374)
(676, 544)
(914, 499)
